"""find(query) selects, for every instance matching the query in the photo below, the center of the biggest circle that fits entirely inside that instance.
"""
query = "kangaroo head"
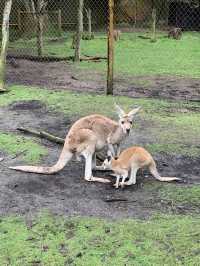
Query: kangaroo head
(126, 119)
(109, 161)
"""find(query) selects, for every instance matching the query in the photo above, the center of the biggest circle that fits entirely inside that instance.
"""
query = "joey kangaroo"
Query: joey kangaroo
(131, 160)
(86, 136)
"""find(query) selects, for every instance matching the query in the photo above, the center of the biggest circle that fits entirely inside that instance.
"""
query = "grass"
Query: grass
(29, 150)
(133, 55)
(175, 132)
(184, 195)
(50, 240)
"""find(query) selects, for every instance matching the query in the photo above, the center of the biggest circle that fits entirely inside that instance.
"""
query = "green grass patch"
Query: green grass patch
(185, 195)
(72, 103)
(29, 150)
(173, 149)
(133, 55)
(50, 240)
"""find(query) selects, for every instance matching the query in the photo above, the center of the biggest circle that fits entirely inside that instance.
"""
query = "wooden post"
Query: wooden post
(19, 20)
(79, 32)
(5, 41)
(59, 20)
(109, 89)
(135, 15)
(153, 38)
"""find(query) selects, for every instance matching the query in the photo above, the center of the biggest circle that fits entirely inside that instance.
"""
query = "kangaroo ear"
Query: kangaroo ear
(134, 111)
(119, 110)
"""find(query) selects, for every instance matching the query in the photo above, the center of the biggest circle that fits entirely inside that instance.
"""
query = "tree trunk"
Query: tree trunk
(89, 17)
(40, 22)
(153, 38)
(109, 89)
(5, 41)
(79, 32)
(135, 16)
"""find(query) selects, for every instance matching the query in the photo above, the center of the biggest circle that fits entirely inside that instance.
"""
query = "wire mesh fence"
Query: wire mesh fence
(146, 33)
(58, 24)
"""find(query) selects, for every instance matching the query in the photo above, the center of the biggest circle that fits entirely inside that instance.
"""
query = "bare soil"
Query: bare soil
(66, 192)
(63, 75)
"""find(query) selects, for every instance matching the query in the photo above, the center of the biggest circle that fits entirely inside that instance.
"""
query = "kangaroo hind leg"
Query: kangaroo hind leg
(132, 179)
(88, 169)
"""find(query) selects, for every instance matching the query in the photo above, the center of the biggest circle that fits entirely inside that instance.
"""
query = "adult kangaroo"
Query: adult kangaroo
(86, 136)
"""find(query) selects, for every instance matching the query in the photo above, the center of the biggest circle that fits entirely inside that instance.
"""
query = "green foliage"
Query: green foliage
(50, 240)
(13, 145)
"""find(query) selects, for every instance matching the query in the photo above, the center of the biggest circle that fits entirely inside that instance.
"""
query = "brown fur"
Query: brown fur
(133, 159)
(86, 136)
(175, 33)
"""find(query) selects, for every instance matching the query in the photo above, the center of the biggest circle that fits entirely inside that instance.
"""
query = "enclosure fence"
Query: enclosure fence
(48, 28)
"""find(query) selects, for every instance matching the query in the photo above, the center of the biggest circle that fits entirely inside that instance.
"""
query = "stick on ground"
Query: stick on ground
(50, 137)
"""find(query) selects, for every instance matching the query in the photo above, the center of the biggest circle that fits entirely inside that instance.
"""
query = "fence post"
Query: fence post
(19, 20)
(59, 20)
(110, 62)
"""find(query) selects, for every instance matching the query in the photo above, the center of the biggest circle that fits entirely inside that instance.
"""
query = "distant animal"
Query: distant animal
(86, 136)
(117, 34)
(175, 33)
(73, 45)
(131, 160)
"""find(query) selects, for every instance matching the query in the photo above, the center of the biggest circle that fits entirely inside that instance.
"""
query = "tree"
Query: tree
(79, 32)
(36, 9)
(40, 7)
(5, 41)
(89, 18)
(153, 38)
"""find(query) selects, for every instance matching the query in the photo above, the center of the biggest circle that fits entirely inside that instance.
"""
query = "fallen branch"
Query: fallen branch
(91, 58)
(42, 134)
(52, 138)
(40, 58)
(54, 58)
(144, 37)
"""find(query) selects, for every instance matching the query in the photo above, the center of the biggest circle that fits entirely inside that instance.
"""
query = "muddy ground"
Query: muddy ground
(61, 75)
(66, 192)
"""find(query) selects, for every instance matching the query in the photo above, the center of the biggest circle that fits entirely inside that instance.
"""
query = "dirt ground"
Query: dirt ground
(61, 75)
(66, 192)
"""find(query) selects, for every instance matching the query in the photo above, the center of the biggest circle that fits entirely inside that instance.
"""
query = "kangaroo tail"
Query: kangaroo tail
(154, 172)
(64, 158)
